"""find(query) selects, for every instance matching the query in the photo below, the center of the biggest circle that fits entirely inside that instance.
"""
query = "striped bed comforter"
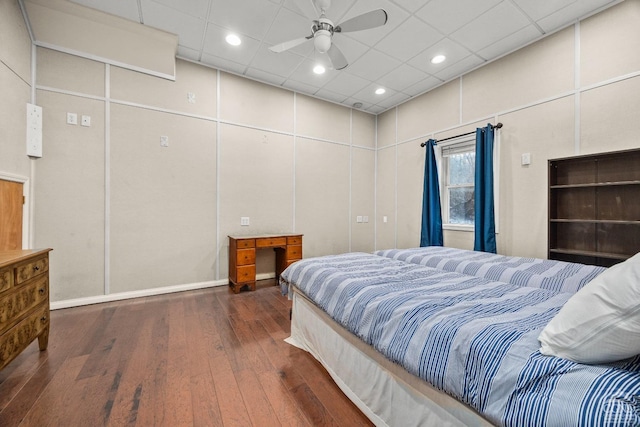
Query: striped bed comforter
(539, 273)
(471, 337)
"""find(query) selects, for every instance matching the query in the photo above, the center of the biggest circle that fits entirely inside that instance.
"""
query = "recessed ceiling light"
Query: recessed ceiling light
(380, 91)
(438, 59)
(233, 40)
(318, 69)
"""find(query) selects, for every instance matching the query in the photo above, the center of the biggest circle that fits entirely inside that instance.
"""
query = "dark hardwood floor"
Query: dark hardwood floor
(197, 358)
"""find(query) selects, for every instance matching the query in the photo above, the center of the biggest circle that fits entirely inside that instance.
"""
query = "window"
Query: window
(458, 167)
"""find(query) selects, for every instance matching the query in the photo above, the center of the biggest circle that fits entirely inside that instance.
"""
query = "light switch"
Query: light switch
(164, 141)
(86, 121)
(526, 159)
(72, 119)
(365, 218)
(358, 219)
(384, 218)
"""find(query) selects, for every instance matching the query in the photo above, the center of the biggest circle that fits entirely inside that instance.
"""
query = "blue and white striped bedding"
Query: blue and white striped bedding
(473, 338)
(540, 273)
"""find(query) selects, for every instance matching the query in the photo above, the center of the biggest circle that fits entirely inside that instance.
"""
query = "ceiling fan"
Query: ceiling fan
(323, 29)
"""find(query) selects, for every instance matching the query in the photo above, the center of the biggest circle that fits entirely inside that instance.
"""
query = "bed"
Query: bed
(414, 344)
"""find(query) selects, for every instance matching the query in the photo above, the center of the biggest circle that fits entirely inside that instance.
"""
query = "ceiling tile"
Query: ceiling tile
(537, 9)
(402, 77)
(571, 13)
(249, 17)
(127, 9)
(346, 84)
(190, 30)
(373, 65)
(376, 109)
(280, 64)
(368, 94)
(351, 48)
(186, 53)
(423, 86)
(223, 64)
(447, 47)
(300, 87)
(214, 44)
(304, 72)
(410, 5)
(510, 43)
(196, 8)
(459, 68)
(351, 101)
(393, 100)
(290, 26)
(409, 39)
(493, 25)
(332, 96)
(448, 16)
(264, 76)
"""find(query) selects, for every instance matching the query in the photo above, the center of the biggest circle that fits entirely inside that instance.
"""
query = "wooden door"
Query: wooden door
(11, 201)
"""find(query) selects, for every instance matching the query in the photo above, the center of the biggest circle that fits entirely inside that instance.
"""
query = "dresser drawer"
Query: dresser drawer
(294, 252)
(245, 256)
(294, 240)
(246, 273)
(6, 279)
(270, 242)
(21, 335)
(13, 305)
(31, 269)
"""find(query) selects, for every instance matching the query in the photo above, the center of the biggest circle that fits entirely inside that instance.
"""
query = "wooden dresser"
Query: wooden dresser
(242, 256)
(24, 301)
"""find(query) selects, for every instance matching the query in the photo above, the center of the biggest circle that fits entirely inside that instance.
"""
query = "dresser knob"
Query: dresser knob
(43, 319)
(41, 290)
(36, 268)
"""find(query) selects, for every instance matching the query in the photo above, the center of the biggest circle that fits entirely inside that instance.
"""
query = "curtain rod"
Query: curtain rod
(496, 126)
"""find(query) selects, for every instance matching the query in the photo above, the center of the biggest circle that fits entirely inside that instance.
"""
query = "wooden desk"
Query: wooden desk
(242, 256)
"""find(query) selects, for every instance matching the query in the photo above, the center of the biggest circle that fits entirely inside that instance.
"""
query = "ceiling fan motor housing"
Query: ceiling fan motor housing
(322, 32)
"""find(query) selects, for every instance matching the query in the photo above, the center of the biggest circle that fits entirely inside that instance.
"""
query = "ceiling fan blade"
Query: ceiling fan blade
(289, 44)
(337, 58)
(375, 18)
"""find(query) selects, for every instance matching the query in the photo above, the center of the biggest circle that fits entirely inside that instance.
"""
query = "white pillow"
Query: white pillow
(601, 322)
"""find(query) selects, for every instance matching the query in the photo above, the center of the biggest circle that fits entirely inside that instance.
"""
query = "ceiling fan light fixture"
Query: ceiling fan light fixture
(438, 59)
(380, 91)
(233, 40)
(322, 40)
(319, 69)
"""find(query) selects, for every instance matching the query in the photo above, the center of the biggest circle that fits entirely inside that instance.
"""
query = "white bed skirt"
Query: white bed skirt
(387, 394)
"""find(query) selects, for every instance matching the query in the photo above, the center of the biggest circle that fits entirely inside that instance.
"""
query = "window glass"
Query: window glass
(460, 174)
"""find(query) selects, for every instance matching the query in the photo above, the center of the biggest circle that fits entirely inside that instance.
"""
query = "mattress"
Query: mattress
(472, 338)
(534, 272)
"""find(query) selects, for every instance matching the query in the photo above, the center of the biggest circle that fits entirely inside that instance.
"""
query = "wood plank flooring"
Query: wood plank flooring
(197, 358)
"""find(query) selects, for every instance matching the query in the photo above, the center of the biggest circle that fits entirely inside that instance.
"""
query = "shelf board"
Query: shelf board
(589, 253)
(595, 184)
(595, 221)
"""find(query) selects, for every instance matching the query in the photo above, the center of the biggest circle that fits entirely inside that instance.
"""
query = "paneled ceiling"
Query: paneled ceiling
(396, 56)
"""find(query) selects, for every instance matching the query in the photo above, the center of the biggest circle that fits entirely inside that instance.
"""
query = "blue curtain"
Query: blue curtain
(431, 233)
(485, 223)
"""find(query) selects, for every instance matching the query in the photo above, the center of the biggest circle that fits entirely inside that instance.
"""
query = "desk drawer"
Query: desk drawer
(31, 269)
(294, 240)
(294, 252)
(245, 243)
(18, 338)
(245, 256)
(246, 273)
(270, 242)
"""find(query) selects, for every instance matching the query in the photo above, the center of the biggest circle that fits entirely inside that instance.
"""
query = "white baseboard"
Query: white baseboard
(77, 302)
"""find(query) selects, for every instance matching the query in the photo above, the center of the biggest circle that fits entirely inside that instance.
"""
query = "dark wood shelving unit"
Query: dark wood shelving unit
(594, 208)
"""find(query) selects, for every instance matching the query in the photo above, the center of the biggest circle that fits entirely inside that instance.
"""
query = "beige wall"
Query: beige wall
(15, 81)
(125, 215)
(574, 92)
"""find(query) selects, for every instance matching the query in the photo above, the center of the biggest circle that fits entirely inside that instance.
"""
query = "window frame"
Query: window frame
(443, 180)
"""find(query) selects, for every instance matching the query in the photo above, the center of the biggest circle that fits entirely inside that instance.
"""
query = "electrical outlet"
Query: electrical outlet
(244, 221)
(86, 121)
(164, 141)
(358, 219)
(191, 97)
(365, 218)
